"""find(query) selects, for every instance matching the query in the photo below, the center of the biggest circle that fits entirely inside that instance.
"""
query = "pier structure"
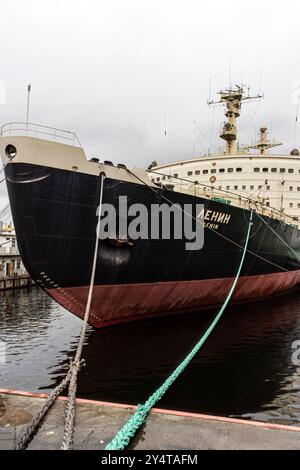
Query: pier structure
(12, 271)
(97, 422)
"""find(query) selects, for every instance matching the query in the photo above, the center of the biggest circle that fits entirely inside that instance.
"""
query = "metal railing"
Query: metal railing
(237, 199)
(39, 131)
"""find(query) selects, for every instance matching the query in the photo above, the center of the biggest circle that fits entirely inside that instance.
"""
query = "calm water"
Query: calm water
(244, 370)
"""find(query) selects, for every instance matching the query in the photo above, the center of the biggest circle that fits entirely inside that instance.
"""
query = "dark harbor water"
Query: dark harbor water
(244, 370)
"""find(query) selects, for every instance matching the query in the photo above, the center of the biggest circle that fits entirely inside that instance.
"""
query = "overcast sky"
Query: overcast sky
(111, 70)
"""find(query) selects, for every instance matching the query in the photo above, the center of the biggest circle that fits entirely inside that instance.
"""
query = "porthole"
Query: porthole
(10, 151)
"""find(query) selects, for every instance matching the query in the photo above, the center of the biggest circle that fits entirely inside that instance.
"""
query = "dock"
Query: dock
(97, 422)
(15, 282)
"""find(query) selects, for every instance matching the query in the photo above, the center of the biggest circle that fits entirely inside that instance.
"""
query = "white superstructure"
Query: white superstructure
(271, 180)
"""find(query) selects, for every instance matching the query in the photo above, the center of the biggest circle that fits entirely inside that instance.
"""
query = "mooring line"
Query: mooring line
(295, 274)
(277, 235)
(67, 443)
(126, 433)
(71, 378)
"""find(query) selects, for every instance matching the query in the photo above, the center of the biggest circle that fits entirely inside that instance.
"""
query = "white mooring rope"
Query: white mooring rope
(71, 377)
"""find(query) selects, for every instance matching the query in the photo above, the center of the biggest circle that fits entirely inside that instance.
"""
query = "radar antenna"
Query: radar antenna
(232, 98)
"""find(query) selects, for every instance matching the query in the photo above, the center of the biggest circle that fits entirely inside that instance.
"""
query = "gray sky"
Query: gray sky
(110, 70)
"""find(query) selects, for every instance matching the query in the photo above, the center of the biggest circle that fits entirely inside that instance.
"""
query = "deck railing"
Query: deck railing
(39, 131)
(234, 198)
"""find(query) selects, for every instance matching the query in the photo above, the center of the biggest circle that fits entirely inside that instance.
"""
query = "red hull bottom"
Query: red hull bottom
(122, 303)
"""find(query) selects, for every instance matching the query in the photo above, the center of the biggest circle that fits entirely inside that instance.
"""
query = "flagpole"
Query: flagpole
(28, 103)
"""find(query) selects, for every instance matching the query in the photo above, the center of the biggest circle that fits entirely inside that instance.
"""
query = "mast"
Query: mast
(232, 98)
(263, 144)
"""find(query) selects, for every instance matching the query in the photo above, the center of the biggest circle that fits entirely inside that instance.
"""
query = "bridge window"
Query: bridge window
(230, 170)
(239, 169)
(189, 173)
(256, 170)
(213, 170)
(291, 170)
(274, 170)
(205, 172)
(222, 170)
(265, 170)
(282, 170)
(197, 172)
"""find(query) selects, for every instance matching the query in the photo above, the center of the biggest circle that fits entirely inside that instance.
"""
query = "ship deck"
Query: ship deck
(97, 422)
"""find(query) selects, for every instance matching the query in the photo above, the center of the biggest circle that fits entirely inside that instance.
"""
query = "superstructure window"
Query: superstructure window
(268, 188)
(282, 170)
(236, 188)
(244, 188)
(267, 203)
(265, 170)
(205, 172)
(163, 177)
(175, 175)
(291, 170)
(222, 170)
(239, 169)
(259, 187)
(256, 170)
(251, 188)
(298, 189)
(197, 172)
(220, 187)
(230, 170)
(227, 188)
(298, 205)
(157, 179)
(291, 204)
(213, 170)
(291, 188)
(189, 173)
(274, 170)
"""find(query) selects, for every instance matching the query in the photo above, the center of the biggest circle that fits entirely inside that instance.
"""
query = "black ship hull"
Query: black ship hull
(54, 214)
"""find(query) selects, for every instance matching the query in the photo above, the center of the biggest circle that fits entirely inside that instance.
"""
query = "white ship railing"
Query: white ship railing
(39, 131)
(236, 199)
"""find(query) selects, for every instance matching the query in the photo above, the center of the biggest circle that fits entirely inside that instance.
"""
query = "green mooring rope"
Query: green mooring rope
(126, 433)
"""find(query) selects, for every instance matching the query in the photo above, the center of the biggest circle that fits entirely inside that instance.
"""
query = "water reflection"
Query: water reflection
(245, 369)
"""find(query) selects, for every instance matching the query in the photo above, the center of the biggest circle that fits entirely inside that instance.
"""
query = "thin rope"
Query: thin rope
(126, 433)
(280, 238)
(218, 233)
(28, 433)
(67, 443)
